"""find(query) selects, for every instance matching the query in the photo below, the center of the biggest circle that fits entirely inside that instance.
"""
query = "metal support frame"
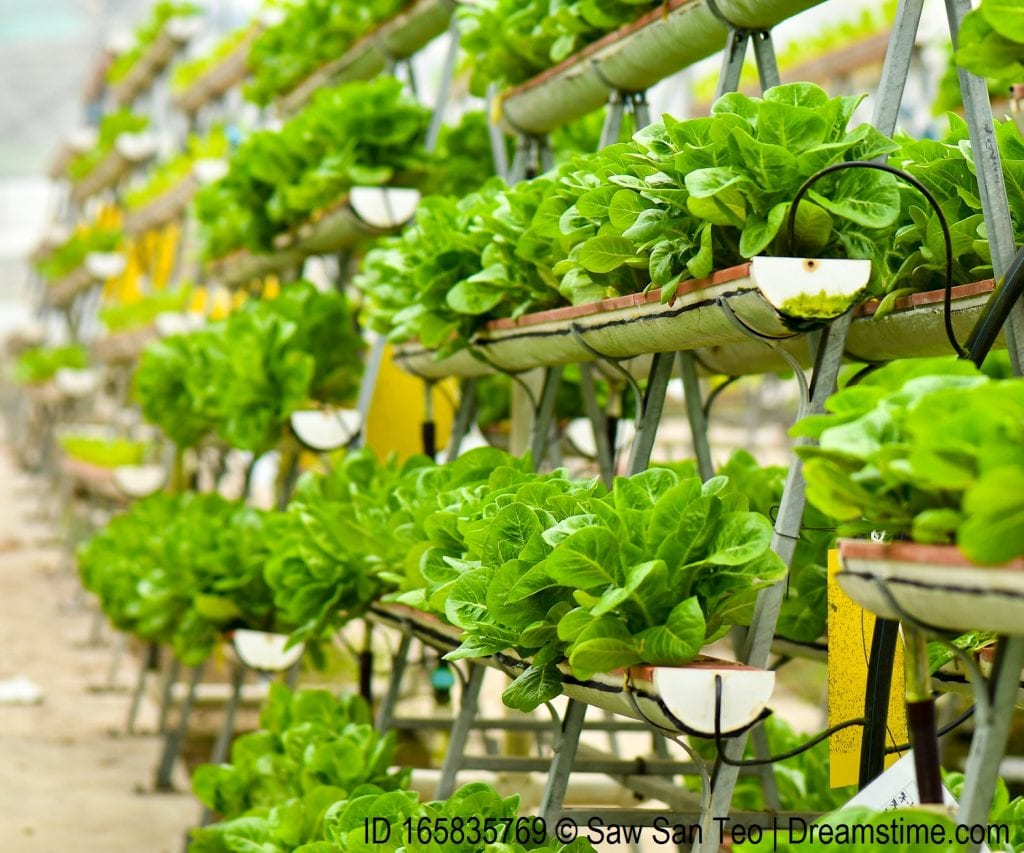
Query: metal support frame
(176, 737)
(565, 756)
(151, 663)
(757, 643)
(650, 416)
(599, 421)
(991, 184)
(992, 725)
(386, 711)
(696, 415)
(464, 416)
(460, 730)
(543, 421)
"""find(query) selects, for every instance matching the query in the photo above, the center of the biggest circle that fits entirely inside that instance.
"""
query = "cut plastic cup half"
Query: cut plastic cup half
(265, 651)
(326, 429)
(810, 288)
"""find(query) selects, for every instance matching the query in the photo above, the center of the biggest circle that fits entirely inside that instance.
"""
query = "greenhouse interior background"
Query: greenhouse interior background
(511, 426)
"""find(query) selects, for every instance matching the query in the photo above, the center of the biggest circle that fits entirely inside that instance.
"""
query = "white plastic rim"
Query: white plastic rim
(472, 440)
(104, 265)
(170, 323)
(783, 279)
(384, 207)
(82, 139)
(139, 481)
(580, 433)
(265, 651)
(184, 28)
(326, 429)
(136, 147)
(689, 695)
(77, 383)
(209, 169)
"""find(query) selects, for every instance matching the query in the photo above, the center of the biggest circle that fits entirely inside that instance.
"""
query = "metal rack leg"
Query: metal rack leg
(599, 421)
(386, 712)
(227, 731)
(695, 414)
(115, 661)
(766, 773)
(991, 184)
(654, 403)
(150, 664)
(757, 646)
(541, 434)
(460, 731)
(176, 737)
(561, 766)
(463, 416)
(992, 729)
(165, 700)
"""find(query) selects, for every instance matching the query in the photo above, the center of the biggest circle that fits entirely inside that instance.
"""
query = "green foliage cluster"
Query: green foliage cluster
(39, 364)
(509, 41)
(482, 821)
(178, 570)
(926, 449)
(681, 199)
(243, 377)
(186, 73)
(147, 33)
(556, 569)
(104, 452)
(991, 42)
(311, 33)
(122, 316)
(112, 125)
(168, 174)
(946, 167)
(71, 255)
(367, 134)
(312, 746)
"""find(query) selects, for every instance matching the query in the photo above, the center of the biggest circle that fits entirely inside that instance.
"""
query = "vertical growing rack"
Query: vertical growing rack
(732, 322)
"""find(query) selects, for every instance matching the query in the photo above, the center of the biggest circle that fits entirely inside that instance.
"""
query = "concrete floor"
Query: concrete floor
(71, 780)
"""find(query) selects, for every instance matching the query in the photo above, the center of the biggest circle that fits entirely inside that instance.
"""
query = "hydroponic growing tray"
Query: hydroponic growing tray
(633, 58)
(933, 584)
(174, 35)
(397, 38)
(701, 318)
(219, 78)
(662, 695)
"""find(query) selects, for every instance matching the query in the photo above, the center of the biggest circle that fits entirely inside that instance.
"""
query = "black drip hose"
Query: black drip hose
(921, 188)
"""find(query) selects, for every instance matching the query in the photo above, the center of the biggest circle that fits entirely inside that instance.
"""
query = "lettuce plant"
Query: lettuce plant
(310, 34)
(179, 570)
(147, 33)
(311, 744)
(509, 41)
(991, 42)
(928, 450)
(682, 199)
(366, 134)
(112, 126)
(242, 378)
(71, 255)
(39, 364)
